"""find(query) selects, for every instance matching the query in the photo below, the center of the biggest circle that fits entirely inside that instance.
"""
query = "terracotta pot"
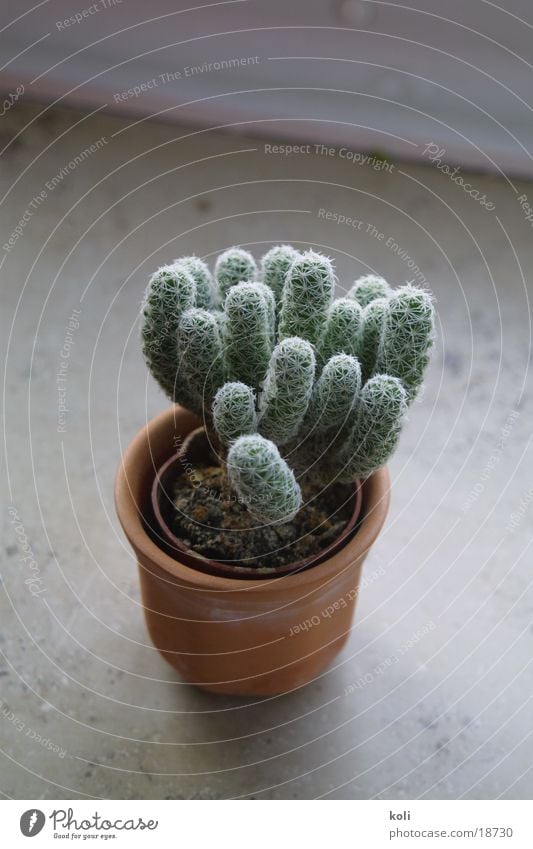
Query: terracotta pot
(195, 451)
(239, 635)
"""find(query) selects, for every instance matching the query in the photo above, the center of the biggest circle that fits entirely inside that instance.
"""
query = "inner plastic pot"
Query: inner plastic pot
(197, 450)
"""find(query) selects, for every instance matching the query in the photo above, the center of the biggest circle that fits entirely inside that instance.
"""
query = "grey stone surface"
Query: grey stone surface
(444, 714)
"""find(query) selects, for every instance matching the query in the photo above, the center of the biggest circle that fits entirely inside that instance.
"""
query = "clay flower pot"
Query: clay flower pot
(239, 635)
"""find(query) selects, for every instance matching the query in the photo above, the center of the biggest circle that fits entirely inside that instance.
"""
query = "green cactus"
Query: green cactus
(234, 411)
(406, 338)
(275, 265)
(280, 364)
(232, 267)
(335, 394)
(372, 322)
(366, 289)
(263, 479)
(247, 333)
(329, 420)
(205, 285)
(170, 292)
(270, 299)
(342, 331)
(307, 294)
(287, 389)
(200, 356)
(373, 438)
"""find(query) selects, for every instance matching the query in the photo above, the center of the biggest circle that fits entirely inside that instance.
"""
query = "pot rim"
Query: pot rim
(376, 498)
(230, 568)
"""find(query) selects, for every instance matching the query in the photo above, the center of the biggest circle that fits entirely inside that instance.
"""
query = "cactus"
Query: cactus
(232, 267)
(342, 331)
(335, 393)
(263, 479)
(200, 356)
(376, 430)
(247, 333)
(170, 292)
(406, 337)
(287, 389)
(234, 411)
(307, 294)
(275, 265)
(205, 285)
(373, 319)
(268, 295)
(366, 289)
(278, 364)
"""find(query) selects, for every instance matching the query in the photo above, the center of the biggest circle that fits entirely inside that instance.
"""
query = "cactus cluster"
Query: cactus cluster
(294, 383)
